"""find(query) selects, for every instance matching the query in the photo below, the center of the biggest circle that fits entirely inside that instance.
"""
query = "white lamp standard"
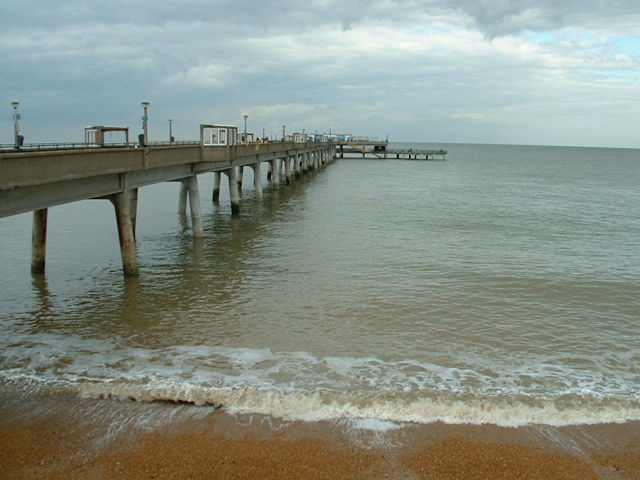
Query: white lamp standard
(16, 124)
(245, 128)
(145, 119)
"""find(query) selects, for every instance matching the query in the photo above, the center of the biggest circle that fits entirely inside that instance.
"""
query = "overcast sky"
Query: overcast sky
(482, 71)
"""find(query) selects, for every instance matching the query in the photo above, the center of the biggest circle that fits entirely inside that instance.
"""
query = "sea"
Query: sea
(499, 286)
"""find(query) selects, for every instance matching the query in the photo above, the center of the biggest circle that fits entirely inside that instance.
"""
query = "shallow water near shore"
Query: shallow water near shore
(497, 287)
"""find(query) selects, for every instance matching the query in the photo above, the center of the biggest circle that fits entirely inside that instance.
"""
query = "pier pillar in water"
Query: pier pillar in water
(191, 184)
(287, 170)
(240, 177)
(39, 240)
(215, 196)
(133, 205)
(275, 174)
(122, 205)
(233, 190)
(296, 164)
(257, 180)
(182, 201)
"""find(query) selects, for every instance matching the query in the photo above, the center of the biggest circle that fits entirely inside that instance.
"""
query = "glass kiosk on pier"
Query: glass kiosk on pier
(94, 136)
(218, 135)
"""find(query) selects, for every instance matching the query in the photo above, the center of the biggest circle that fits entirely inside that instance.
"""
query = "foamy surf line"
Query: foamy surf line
(326, 405)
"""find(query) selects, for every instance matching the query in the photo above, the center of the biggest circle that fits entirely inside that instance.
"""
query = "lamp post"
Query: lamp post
(245, 128)
(170, 131)
(16, 124)
(145, 119)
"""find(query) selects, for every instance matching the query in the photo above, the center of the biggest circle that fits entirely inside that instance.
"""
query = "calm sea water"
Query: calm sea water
(501, 285)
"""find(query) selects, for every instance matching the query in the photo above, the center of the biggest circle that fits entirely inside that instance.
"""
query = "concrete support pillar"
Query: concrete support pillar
(233, 190)
(240, 177)
(133, 204)
(194, 205)
(257, 180)
(275, 174)
(39, 241)
(182, 201)
(287, 170)
(269, 173)
(121, 203)
(216, 187)
(297, 169)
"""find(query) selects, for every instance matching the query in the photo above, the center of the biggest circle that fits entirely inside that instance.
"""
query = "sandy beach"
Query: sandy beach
(216, 445)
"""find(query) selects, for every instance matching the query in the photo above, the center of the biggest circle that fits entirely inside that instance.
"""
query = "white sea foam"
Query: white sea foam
(300, 385)
(365, 411)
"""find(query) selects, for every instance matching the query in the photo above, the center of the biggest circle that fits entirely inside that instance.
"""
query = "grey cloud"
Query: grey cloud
(363, 66)
(501, 17)
(492, 17)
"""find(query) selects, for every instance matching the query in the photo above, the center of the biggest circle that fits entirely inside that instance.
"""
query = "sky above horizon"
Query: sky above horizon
(538, 72)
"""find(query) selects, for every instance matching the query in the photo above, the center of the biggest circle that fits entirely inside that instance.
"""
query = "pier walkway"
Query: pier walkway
(33, 180)
(380, 149)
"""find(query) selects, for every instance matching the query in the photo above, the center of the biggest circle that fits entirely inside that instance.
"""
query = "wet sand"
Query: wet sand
(54, 443)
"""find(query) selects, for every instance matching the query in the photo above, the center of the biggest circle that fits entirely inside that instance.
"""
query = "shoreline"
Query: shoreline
(55, 437)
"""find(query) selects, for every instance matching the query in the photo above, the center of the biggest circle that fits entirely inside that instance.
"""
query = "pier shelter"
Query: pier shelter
(218, 135)
(95, 135)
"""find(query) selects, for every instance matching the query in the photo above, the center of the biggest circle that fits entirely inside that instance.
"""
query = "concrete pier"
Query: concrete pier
(234, 194)
(215, 196)
(182, 199)
(287, 170)
(275, 177)
(194, 206)
(133, 205)
(39, 241)
(240, 178)
(33, 181)
(257, 180)
(121, 203)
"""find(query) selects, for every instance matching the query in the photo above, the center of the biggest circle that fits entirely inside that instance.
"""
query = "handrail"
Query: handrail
(36, 147)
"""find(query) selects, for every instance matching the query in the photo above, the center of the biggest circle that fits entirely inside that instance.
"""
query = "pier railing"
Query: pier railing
(39, 147)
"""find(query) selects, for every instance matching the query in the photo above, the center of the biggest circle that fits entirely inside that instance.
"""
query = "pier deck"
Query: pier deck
(371, 149)
(34, 180)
